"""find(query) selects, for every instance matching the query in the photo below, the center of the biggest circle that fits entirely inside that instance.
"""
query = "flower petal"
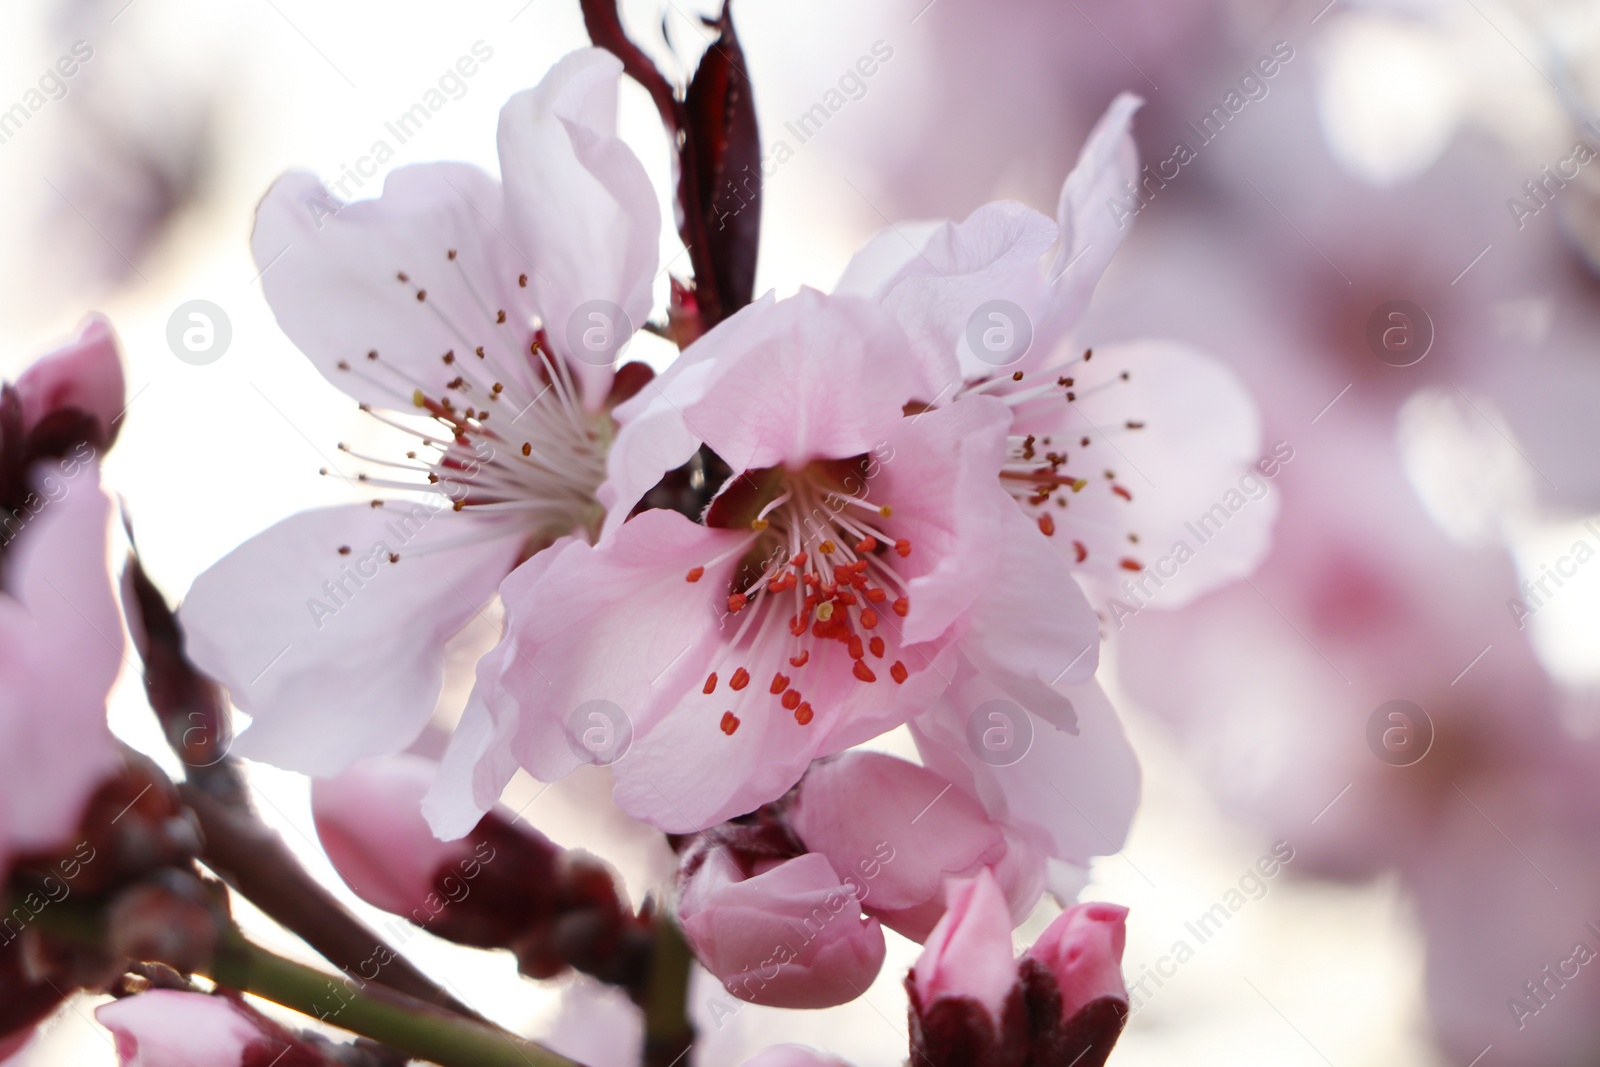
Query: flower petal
(1032, 628)
(813, 376)
(1090, 232)
(1072, 794)
(61, 648)
(1187, 485)
(85, 374)
(340, 655)
(579, 201)
(332, 274)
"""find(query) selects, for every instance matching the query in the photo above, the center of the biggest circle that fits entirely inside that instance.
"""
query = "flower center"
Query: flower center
(1039, 470)
(501, 431)
(817, 576)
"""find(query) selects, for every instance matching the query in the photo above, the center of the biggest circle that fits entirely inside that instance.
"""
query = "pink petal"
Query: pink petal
(166, 1028)
(1083, 949)
(85, 374)
(339, 656)
(61, 648)
(968, 954)
(1032, 628)
(370, 823)
(788, 381)
(790, 937)
(853, 808)
(1071, 794)
(996, 253)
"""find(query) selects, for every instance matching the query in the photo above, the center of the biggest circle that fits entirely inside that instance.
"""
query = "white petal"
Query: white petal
(1072, 794)
(1191, 472)
(333, 281)
(1090, 232)
(579, 201)
(336, 656)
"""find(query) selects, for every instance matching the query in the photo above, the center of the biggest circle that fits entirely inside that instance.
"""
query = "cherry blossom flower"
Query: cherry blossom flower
(61, 636)
(482, 319)
(1111, 449)
(852, 556)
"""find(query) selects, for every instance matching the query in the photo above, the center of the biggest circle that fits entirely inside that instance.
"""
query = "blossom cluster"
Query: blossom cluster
(832, 519)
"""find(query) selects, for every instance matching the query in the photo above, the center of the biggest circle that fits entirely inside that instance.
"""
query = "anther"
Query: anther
(902, 606)
(903, 547)
(740, 679)
(780, 682)
(863, 672)
(803, 713)
(711, 683)
(695, 573)
(898, 672)
(869, 619)
(730, 723)
(877, 646)
(791, 699)
(736, 603)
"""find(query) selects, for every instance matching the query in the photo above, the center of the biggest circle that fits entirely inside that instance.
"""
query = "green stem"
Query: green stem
(403, 1023)
(668, 1033)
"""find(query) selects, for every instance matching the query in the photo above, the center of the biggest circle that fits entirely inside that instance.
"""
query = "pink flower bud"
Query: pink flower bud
(1083, 950)
(898, 832)
(164, 1028)
(84, 375)
(790, 937)
(968, 954)
(369, 820)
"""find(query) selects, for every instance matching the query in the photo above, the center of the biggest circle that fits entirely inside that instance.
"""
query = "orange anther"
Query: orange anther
(730, 723)
(740, 679)
(898, 672)
(863, 672)
(695, 574)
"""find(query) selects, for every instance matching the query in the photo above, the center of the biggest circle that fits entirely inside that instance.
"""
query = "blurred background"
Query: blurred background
(1439, 522)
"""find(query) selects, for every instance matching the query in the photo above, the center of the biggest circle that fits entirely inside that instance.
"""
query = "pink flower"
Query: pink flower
(61, 637)
(1063, 1003)
(1082, 949)
(84, 376)
(854, 554)
(369, 822)
(1111, 451)
(901, 831)
(483, 319)
(968, 954)
(791, 936)
(165, 1028)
